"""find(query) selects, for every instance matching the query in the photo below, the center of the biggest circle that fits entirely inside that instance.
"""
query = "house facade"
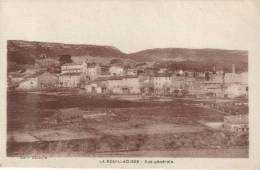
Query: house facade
(47, 80)
(115, 84)
(100, 86)
(236, 84)
(74, 68)
(162, 83)
(28, 83)
(131, 72)
(130, 84)
(236, 123)
(236, 90)
(69, 80)
(116, 70)
(214, 88)
(74, 75)
(93, 71)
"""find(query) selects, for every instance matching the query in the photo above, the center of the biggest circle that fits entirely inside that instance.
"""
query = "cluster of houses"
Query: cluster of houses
(236, 123)
(116, 79)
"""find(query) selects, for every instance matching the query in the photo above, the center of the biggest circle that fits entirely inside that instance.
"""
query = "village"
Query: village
(218, 98)
(95, 78)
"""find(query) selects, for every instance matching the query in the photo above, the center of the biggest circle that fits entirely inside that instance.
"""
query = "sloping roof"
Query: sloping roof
(71, 64)
(26, 79)
(102, 78)
(213, 82)
(70, 74)
(47, 72)
(99, 83)
(122, 77)
(35, 75)
(117, 65)
(162, 75)
(131, 76)
(116, 78)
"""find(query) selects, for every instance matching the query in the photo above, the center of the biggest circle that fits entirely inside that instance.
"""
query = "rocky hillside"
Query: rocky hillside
(194, 58)
(25, 52)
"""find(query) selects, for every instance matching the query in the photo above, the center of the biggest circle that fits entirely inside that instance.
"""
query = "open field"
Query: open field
(115, 127)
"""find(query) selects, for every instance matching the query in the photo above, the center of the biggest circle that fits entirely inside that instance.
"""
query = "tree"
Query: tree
(65, 59)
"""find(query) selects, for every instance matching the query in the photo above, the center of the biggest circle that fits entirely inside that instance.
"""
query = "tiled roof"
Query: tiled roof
(122, 77)
(70, 74)
(35, 75)
(102, 78)
(130, 76)
(162, 75)
(46, 73)
(71, 64)
(212, 82)
(116, 78)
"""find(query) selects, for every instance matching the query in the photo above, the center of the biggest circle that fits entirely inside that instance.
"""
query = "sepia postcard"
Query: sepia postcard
(130, 84)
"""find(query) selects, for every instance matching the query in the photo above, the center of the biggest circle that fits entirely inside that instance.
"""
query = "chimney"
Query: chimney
(233, 68)
(214, 69)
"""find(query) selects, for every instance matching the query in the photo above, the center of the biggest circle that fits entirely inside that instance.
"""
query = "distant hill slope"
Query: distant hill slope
(194, 58)
(23, 52)
(26, 52)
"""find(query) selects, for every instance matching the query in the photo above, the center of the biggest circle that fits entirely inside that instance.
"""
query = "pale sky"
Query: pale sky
(133, 25)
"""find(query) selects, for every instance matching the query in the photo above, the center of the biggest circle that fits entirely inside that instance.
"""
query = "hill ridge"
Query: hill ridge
(22, 52)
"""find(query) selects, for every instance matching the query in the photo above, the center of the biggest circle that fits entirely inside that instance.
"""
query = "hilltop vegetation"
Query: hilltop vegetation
(23, 53)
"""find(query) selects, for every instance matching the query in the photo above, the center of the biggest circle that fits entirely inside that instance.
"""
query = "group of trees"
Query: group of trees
(63, 59)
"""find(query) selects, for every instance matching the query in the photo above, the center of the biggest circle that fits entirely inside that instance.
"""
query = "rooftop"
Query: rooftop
(115, 78)
(162, 75)
(71, 64)
(70, 74)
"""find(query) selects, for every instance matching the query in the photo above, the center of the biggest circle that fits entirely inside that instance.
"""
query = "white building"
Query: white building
(70, 80)
(100, 86)
(76, 74)
(162, 83)
(93, 87)
(93, 71)
(74, 68)
(131, 72)
(130, 85)
(178, 82)
(236, 84)
(236, 123)
(115, 84)
(236, 90)
(116, 71)
(28, 83)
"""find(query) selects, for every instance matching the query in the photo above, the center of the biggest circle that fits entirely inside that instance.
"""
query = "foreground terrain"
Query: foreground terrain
(67, 124)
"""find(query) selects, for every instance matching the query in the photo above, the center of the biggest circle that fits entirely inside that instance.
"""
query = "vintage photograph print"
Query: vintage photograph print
(101, 80)
(90, 100)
